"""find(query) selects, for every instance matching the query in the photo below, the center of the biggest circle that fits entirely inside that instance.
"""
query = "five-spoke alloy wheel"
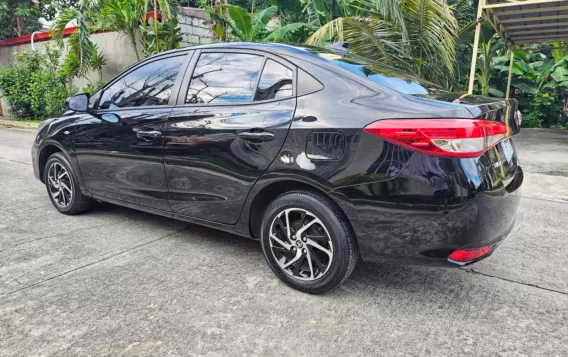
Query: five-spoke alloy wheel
(307, 241)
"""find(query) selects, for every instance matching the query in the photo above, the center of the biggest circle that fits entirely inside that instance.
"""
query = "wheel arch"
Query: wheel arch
(264, 196)
(48, 148)
(45, 152)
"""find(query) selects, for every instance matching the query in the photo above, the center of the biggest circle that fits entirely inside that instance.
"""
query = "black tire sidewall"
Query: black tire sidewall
(77, 199)
(337, 231)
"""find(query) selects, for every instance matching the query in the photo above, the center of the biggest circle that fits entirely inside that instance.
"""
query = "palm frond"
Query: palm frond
(333, 30)
(312, 15)
(390, 11)
(65, 17)
(432, 30)
(368, 37)
(375, 39)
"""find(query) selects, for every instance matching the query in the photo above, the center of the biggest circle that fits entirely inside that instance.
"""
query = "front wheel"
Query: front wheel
(62, 186)
(307, 242)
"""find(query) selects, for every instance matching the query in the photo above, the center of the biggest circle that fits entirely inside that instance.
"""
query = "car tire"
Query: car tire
(62, 186)
(319, 253)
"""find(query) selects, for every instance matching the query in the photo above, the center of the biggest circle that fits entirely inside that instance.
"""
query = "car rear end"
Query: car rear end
(444, 186)
(453, 199)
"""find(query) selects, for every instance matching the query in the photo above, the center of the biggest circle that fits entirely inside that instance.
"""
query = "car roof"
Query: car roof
(316, 55)
(295, 50)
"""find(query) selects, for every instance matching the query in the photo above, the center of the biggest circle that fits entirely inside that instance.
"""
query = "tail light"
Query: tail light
(457, 138)
(463, 256)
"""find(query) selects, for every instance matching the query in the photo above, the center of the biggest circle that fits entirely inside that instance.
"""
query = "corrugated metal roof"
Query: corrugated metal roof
(530, 21)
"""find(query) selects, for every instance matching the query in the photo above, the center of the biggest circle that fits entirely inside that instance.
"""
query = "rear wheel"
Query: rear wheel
(62, 186)
(307, 242)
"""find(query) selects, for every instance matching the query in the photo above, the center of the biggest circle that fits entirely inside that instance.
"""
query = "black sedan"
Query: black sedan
(322, 157)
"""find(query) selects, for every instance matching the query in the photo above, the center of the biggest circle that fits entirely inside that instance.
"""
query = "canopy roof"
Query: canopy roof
(530, 21)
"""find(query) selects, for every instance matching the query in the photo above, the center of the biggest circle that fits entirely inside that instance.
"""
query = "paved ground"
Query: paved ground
(120, 282)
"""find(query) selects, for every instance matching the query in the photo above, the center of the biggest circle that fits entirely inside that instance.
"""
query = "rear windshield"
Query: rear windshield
(386, 76)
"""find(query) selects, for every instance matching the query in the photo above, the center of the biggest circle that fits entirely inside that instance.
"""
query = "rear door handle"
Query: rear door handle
(256, 136)
(149, 135)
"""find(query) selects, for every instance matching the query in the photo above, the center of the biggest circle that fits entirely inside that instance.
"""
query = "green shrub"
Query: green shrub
(32, 85)
(532, 119)
(542, 111)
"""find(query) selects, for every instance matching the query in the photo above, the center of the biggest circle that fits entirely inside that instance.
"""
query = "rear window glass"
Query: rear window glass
(386, 76)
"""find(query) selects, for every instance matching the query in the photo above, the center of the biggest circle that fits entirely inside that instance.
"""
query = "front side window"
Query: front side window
(275, 82)
(148, 85)
(224, 78)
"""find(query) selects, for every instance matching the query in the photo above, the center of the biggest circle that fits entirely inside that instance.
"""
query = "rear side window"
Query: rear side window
(148, 85)
(307, 84)
(224, 78)
(275, 82)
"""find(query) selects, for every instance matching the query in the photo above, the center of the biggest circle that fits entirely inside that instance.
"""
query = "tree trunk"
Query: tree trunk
(135, 47)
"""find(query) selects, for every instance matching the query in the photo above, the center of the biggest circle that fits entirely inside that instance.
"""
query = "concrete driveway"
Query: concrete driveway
(115, 281)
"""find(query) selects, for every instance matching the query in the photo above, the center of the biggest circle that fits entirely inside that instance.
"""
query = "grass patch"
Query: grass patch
(33, 121)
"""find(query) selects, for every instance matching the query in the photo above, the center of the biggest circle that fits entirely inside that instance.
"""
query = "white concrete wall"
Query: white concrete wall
(116, 48)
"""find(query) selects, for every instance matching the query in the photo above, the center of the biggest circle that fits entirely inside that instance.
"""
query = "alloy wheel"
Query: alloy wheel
(301, 244)
(59, 183)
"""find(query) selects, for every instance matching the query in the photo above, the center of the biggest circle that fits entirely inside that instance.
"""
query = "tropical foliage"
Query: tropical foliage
(18, 17)
(252, 28)
(83, 55)
(430, 38)
(122, 16)
(539, 72)
(544, 109)
(249, 5)
(415, 34)
(159, 36)
(489, 60)
(540, 77)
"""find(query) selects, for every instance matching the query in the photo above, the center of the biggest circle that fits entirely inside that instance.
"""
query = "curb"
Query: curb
(18, 124)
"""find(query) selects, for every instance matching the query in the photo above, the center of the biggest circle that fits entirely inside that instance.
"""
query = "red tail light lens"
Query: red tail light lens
(467, 255)
(442, 137)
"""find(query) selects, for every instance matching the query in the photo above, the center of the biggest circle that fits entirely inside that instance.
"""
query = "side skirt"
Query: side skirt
(233, 229)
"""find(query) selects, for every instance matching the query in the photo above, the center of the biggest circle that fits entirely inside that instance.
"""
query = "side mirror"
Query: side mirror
(111, 118)
(78, 102)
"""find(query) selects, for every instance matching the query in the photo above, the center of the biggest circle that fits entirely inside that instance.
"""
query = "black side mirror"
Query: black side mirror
(78, 102)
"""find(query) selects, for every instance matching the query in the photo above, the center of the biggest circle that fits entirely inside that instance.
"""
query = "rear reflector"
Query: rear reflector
(442, 137)
(467, 255)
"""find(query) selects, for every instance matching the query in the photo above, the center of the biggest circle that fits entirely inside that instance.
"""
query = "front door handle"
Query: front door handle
(256, 136)
(149, 135)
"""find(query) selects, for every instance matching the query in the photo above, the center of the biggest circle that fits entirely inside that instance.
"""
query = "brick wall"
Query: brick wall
(193, 29)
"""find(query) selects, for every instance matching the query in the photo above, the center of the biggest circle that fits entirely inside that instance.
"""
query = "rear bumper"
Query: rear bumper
(434, 207)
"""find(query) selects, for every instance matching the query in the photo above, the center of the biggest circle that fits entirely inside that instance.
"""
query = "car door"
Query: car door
(233, 114)
(119, 147)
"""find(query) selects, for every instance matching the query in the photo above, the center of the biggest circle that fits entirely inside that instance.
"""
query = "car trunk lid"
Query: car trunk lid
(482, 107)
